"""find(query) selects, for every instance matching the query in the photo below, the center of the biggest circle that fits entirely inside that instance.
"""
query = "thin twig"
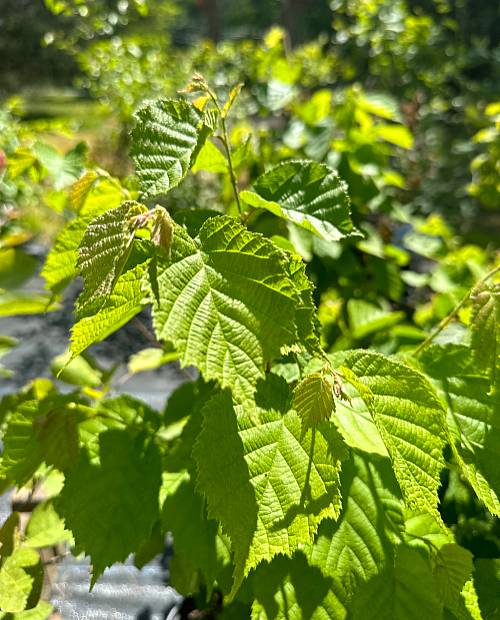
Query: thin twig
(447, 319)
(225, 141)
(232, 176)
(145, 332)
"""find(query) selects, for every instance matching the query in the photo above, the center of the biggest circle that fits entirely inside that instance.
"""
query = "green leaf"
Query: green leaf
(41, 612)
(398, 135)
(21, 160)
(65, 169)
(125, 301)
(184, 515)
(16, 267)
(473, 417)
(361, 543)
(445, 360)
(21, 303)
(308, 194)
(103, 252)
(151, 548)
(90, 197)
(471, 601)
(423, 531)
(123, 412)
(210, 159)
(279, 481)
(60, 265)
(226, 303)
(150, 358)
(56, 431)
(487, 582)
(76, 371)
(453, 567)
(485, 331)
(9, 535)
(105, 194)
(382, 105)
(313, 399)
(165, 142)
(355, 423)
(305, 312)
(290, 588)
(21, 456)
(474, 420)
(406, 589)
(366, 318)
(45, 527)
(81, 189)
(16, 579)
(111, 507)
(410, 419)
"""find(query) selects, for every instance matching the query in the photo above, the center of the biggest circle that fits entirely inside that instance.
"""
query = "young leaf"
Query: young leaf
(162, 229)
(313, 399)
(308, 194)
(111, 507)
(226, 302)
(410, 419)
(165, 142)
(103, 252)
(233, 93)
(280, 482)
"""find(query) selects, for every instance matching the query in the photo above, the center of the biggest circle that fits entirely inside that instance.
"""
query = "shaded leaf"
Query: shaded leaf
(111, 507)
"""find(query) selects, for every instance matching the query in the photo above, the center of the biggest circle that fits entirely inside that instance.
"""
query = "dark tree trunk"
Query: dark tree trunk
(292, 15)
(211, 9)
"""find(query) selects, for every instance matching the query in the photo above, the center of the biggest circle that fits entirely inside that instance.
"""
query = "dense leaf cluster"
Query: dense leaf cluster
(297, 482)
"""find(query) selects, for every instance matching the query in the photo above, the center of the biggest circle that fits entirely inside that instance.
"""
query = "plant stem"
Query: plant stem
(232, 176)
(225, 141)
(447, 319)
